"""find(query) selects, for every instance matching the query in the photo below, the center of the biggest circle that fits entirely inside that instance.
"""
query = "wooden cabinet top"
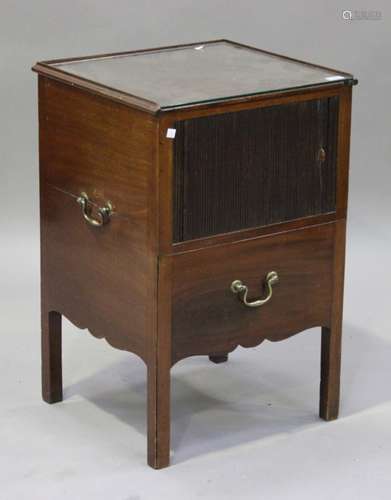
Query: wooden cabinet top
(167, 78)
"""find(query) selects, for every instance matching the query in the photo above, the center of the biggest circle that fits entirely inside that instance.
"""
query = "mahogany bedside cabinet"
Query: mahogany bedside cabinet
(193, 199)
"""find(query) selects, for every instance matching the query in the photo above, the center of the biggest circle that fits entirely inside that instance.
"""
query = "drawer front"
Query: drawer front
(208, 317)
(254, 168)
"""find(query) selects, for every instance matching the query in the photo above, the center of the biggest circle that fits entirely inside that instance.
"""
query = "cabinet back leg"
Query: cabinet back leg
(218, 357)
(51, 357)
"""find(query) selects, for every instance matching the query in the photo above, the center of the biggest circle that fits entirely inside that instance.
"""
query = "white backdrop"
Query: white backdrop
(258, 439)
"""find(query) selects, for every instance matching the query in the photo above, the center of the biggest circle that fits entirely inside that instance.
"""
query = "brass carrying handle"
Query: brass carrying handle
(237, 287)
(104, 213)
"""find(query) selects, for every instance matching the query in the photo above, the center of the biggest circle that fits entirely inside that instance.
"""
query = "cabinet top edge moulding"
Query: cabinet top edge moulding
(191, 75)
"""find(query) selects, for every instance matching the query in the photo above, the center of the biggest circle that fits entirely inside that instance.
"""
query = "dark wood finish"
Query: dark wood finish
(167, 160)
(218, 358)
(103, 279)
(50, 69)
(288, 58)
(343, 148)
(193, 44)
(247, 234)
(51, 356)
(99, 278)
(208, 317)
(169, 117)
(131, 282)
(159, 376)
(332, 334)
(99, 90)
(254, 168)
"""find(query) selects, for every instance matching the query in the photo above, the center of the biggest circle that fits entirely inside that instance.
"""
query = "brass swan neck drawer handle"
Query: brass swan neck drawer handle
(239, 288)
(104, 213)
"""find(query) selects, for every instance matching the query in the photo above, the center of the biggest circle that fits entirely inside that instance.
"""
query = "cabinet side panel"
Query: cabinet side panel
(100, 278)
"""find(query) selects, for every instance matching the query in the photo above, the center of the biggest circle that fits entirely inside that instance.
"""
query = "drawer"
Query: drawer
(208, 317)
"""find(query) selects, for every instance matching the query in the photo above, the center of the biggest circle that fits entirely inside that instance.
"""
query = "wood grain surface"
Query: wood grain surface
(100, 278)
(208, 318)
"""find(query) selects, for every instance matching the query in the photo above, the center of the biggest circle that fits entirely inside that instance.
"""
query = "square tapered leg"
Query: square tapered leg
(332, 335)
(158, 417)
(51, 357)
